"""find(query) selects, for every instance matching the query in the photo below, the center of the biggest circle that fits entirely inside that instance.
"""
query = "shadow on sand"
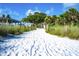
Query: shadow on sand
(10, 37)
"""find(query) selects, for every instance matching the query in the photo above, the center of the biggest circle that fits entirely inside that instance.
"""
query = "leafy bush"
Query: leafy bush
(70, 31)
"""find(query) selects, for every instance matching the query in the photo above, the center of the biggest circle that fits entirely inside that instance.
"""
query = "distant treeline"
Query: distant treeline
(7, 19)
(71, 16)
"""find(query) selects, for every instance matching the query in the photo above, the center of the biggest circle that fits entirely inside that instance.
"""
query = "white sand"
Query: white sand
(39, 43)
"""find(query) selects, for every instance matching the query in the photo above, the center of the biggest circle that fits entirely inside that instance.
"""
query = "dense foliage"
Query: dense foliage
(35, 18)
(71, 16)
(66, 24)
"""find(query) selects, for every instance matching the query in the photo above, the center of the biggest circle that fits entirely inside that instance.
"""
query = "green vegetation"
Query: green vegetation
(6, 27)
(66, 30)
(15, 30)
(64, 25)
(36, 18)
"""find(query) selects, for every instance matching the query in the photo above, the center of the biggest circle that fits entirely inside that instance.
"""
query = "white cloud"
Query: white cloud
(8, 11)
(37, 10)
(69, 5)
(0, 10)
(32, 11)
(66, 6)
(29, 11)
(14, 13)
(49, 11)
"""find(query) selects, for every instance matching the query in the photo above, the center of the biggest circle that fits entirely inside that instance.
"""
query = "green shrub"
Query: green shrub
(70, 31)
(3, 32)
(15, 30)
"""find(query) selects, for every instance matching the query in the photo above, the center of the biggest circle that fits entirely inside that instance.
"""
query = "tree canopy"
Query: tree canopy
(7, 19)
(68, 17)
(35, 18)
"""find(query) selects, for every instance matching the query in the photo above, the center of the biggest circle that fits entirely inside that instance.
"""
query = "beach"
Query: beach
(38, 43)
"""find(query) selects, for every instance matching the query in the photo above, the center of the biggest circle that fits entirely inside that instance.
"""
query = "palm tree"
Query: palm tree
(8, 18)
(47, 19)
(3, 18)
(63, 18)
(69, 17)
(54, 19)
(73, 14)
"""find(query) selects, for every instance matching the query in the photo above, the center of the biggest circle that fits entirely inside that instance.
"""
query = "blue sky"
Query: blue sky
(20, 10)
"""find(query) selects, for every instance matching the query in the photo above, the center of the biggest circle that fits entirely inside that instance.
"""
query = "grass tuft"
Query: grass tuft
(15, 30)
(70, 31)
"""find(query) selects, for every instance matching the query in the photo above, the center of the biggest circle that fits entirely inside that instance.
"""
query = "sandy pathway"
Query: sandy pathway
(38, 43)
